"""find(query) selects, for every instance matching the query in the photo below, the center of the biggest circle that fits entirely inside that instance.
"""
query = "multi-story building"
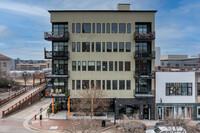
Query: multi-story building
(111, 48)
(178, 95)
(4, 66)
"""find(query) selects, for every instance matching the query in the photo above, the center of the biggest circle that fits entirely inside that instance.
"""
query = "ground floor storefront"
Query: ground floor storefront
(178, 110)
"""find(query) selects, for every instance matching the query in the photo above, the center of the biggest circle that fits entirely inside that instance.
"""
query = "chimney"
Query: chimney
(123, 7)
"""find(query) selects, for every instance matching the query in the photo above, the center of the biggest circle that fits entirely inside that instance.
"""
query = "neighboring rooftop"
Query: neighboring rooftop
(168, 57)
(3, 57)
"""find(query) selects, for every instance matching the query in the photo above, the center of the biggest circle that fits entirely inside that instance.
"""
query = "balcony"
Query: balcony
(144, 93)
(49, 36)
(58, 93)
(144, 74)
(63, 74)
(144, 56)
(148, 36)
(56, 54)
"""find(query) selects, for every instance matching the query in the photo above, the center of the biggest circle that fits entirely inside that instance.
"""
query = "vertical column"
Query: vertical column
(52, 105)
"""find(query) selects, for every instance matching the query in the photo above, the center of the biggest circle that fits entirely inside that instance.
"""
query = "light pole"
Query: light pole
(9, 88)
(115, 112)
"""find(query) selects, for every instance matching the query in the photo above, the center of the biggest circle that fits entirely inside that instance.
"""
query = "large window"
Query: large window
(104, 66)
(60, 46)
(108, 84)
(98, 46)
(83, 65)
(86, 28)
(108, 27)
(128, 28)
(121, 84)
(114, 85)
(179, 89)
(109, 47)
(60, 29)
(114, 27)
(128, 46)
(98, 27)
(78, 46)
(143, 28)
(85, 46)
(128, 84)
(110, 65)
(127, 65)
(60, 67)
(115, 47)
(91, 65)
(73, 65)
(78, 84)
(121, 47)
(85, 84)
(122, 28)
(121, 66)
(78, 28)
(141, 47)
(98, 65)
(73, 46)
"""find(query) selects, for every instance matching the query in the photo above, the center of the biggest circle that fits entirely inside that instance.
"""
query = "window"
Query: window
(4, 65)
(128, 47)
(73, 28)
(109, 47)
(104, 66)
(78, 28)
(92, 46)
(121, 47)
(103, 28)
(103, 45)
(93, 28)
(85, 84)
(198, 89)
(85, 46)
(115, 47)
(98, 65)
(142, 28)
(60, 46)
(128, 84)
(128, 28)
(79, 65)
(177, 65)
(121, 84)
(198, 112)
(83, 65)
(78, 46)
(114, 27)
(60, 67)
(114, 85)
(108, 84)
(73, 84)
(108, 27)
(86, 28)
(92, 84)
(98, 46)
(104, 84)
(91, 66)
(73, 46)
(60, 29)
(78, 84)
(127, 66)
(110, 65)
(121, 66)
(98, 27)
(98, 84)
(122, 28)
(73, 65)
(179, 89)
(115, 65)
(142, 47)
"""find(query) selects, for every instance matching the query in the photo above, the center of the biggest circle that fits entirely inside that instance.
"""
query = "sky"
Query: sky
(23, 22)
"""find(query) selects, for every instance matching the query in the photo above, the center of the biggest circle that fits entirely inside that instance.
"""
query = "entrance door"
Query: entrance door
(160, 112)
(146, 112)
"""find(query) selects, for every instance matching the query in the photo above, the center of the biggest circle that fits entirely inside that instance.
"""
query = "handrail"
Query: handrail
(144, 36)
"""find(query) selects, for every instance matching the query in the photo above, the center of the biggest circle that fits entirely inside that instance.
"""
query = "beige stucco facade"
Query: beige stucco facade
(104, 17)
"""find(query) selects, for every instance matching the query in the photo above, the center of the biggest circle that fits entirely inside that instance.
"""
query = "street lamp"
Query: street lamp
(9, 88)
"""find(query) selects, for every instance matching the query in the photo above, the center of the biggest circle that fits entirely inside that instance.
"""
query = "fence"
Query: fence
(30, 99)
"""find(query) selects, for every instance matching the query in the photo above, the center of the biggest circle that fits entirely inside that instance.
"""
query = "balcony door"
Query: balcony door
(143, 66)
(60, 29)
(143, 47)
(142, 28)
(60, 67)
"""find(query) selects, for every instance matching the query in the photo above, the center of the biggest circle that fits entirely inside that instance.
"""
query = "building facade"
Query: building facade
(178, 95)
(4, 66)
(114, 49)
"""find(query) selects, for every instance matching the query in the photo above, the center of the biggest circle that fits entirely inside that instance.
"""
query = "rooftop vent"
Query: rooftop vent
(123, 7)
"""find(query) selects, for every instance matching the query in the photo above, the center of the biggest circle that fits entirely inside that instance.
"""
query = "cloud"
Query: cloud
(5, 32)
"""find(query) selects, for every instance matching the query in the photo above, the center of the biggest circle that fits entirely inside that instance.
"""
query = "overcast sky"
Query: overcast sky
(23, 22)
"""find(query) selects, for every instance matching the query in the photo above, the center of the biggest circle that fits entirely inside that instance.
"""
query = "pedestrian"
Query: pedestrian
(35, 116)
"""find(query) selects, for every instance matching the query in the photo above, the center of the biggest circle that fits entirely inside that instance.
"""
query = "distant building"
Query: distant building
(157, 59)
(4, 66)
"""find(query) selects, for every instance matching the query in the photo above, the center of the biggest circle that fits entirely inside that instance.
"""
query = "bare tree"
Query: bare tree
(25, 77)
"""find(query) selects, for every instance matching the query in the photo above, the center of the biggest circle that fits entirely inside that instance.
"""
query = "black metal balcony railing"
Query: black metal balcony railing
(58, 74)
(50, 36)
(56, 54)
(143, 93)
(142, 36)
(53, 93)
(144, 74)
(148, 56)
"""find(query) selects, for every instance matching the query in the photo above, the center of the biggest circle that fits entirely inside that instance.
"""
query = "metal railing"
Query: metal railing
(56, 54)
(51, 36)
(144, 74)
(144, 92)
(144, 36)
(147, 55)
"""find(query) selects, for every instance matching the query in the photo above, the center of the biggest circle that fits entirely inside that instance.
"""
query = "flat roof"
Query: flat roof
(102, 11)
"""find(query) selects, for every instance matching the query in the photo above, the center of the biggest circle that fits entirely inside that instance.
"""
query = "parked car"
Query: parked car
(198, 127)
(163, 129)
(159, 124)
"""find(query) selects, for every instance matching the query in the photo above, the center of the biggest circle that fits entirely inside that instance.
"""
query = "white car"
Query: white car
(170, 129)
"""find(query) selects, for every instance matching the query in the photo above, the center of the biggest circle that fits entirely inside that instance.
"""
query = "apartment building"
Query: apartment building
(113, 49)
(4, 66)
(178, 95)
